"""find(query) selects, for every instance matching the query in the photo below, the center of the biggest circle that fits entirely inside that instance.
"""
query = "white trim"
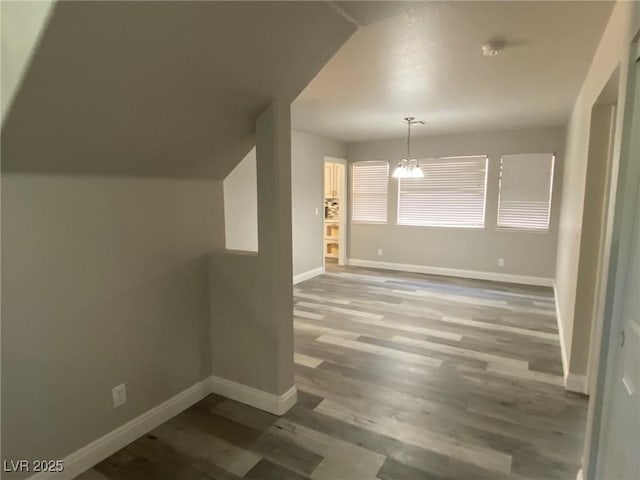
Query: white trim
(343, 196)
(563, 345)
(269, 402)
(576, 383)
(329, 158)
(301, 277)
(572, 382)
(96, 451)
(454, 272)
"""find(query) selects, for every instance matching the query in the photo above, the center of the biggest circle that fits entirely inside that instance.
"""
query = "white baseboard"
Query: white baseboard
(563, 345)
(572, 382)
(96, 451)
(269, 402)
(301, 277)
(576, 383)
(107, 445)
(454, 272)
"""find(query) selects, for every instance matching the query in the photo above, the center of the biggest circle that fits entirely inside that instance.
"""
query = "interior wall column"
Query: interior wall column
(252, 292)
(273, 164)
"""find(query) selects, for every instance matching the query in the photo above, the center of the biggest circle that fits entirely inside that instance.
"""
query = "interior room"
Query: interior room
(335, 210)
(320, 240)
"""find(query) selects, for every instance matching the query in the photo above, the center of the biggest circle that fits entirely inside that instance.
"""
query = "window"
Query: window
(370, 181)
(451, 194)
(525, 191)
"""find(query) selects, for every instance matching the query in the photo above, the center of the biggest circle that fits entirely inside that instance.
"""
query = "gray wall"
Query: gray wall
(104, 281)
(251, 293)
(307, 195)
(307, 191)
(241, 206)
(106, 277)
(524, 253)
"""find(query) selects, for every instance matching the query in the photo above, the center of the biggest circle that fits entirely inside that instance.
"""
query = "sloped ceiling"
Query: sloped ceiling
(22, 23)
(162, 88)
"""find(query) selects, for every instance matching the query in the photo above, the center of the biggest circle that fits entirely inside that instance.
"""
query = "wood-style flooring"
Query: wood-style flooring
(400, 376)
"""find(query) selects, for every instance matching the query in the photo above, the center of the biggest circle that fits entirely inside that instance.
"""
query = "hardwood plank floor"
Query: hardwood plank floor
(399, 376)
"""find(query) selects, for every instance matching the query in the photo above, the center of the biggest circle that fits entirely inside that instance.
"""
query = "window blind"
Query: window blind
(369, 192)
(525, 191)
(452, 193)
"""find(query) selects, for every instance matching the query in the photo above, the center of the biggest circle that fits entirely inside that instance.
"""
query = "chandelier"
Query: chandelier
(408, 167)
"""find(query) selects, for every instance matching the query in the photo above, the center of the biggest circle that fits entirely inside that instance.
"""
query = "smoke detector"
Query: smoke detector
(492, 49)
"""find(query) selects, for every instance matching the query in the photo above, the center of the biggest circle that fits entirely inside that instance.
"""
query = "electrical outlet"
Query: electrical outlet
(501, 262)
(317, 211)
(379, 252)
(119, 393)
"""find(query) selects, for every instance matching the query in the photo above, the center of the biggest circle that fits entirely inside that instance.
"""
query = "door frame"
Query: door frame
(604, 251)
(628, 180)
(344, 209)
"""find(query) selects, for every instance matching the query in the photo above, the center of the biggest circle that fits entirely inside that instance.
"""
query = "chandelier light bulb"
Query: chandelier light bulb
(409, 167)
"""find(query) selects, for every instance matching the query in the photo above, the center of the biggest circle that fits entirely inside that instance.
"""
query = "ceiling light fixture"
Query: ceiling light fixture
(408, 167)
(493, 48)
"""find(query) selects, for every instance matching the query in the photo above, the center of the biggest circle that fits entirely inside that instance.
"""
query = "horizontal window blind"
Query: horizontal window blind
(369, 189)
(451, 194)
(525, 191)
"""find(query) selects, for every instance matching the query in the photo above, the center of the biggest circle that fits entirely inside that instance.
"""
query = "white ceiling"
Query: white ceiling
(426, 61)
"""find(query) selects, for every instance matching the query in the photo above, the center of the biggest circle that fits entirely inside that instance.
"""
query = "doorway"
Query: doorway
(335, 211)
(621, 423)
(613, 428)
(595, 245)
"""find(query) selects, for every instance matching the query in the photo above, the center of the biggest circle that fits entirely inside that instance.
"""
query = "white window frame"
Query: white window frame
(423, 161)
(353, 194)
(551, 180)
